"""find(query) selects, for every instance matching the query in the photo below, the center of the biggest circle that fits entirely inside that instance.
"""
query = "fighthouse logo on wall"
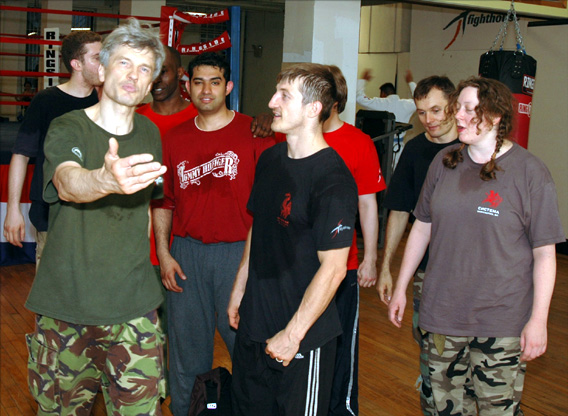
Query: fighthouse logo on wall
(224, 164)
(473, 19)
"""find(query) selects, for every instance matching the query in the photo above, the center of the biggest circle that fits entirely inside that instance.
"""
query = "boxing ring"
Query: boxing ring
(171, 24)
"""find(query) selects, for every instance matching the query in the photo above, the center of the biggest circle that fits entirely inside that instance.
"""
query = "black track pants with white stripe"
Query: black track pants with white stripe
(262, 386)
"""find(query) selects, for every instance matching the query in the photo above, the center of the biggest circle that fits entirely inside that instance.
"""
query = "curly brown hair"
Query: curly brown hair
(495, 100)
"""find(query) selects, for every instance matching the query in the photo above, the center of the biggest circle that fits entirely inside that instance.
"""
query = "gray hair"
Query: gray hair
(131, 34)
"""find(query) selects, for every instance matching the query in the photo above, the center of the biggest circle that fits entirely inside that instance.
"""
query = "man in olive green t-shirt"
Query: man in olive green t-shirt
(95, 293)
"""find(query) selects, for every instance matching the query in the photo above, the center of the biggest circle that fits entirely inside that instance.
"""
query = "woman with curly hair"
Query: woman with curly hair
(489, 211)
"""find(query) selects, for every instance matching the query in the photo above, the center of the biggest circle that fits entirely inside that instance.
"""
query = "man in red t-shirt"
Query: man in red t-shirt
(211, 161)
(169, 109)
(358, 152)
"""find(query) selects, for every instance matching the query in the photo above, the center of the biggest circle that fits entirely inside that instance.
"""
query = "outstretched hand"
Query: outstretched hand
(132, 173)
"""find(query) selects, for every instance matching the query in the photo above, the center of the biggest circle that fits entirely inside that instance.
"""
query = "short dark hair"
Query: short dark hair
(210, 59)
(443, 83)
(73, 46)
(316, 83)
(175, 54)
(340, 87)
(387, 88)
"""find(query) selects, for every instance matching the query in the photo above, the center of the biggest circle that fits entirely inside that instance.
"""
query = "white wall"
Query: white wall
(325, 32)
(548, 137)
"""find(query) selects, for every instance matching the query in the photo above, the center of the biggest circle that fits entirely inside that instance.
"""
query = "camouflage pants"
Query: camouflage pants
(470, 374)
(423, 383)
(68, 362)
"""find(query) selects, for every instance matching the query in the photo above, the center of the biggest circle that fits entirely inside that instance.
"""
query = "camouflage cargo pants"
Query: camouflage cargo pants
(68, 362)
(470, 374)
(423, 383)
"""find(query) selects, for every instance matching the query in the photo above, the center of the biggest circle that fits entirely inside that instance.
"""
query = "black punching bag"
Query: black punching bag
(516, 70)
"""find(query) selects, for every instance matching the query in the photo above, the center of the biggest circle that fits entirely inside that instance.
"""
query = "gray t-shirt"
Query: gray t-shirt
(95, 268)
(479, 278)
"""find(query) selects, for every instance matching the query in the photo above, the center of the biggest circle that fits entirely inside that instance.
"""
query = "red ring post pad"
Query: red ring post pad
(173, 23)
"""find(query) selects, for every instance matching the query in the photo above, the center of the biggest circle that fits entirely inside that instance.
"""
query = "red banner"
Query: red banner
(218, 44)
(200, 19)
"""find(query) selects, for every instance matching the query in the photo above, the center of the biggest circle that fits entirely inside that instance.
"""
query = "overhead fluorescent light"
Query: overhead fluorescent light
(80, 28)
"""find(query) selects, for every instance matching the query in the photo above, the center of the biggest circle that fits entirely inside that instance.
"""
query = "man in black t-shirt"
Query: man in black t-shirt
(304, 202)
(431, 97)
(80, 54)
